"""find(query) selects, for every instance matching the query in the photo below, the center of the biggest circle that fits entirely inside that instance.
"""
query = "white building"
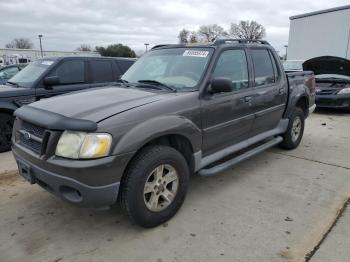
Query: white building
(321, 33)
(16, 56)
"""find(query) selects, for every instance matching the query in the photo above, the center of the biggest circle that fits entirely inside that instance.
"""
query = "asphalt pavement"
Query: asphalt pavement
(277, 206)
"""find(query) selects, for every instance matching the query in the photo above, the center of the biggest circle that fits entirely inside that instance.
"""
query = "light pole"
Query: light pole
(41, 47)
(286, 46)
(146, 45)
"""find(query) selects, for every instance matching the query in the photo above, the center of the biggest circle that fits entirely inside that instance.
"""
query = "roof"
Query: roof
(14, 65)
(48, 51)
(215, 43)
(330, 10)
(90, 57)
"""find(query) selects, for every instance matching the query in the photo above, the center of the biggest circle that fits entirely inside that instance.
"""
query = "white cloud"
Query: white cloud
(67, 24)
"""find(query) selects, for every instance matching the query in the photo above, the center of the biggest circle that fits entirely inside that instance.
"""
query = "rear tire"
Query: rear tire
(6, 124)
(155, 185)
(295, 130)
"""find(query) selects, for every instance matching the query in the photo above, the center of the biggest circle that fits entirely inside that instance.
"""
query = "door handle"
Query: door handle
(281, 91)
(247, 99)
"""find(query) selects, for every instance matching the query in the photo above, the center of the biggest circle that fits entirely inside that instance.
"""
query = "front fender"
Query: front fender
(7, 106)
(156, 127)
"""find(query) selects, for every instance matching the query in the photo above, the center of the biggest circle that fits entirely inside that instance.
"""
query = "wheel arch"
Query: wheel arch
(7, 108)
(177, 132)
(300, 100)
(303, 103)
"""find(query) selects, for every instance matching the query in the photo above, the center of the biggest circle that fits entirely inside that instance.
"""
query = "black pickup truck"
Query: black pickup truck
(48, 77)
(179, 110)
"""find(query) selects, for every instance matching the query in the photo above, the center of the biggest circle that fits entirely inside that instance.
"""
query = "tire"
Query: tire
(145, 168)
(294, 133)
(6, 124)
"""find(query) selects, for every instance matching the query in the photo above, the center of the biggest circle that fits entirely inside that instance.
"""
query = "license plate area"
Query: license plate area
(25, 171)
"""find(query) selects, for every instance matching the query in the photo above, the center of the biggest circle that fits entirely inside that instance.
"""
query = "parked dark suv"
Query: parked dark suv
(179, 110)
(48, 77)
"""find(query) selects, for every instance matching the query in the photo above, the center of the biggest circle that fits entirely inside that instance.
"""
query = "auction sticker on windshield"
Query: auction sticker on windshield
(47, 62)
(196, 53)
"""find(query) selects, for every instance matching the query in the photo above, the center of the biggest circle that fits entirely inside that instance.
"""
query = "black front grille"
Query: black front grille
(32, 137)
(33, 129)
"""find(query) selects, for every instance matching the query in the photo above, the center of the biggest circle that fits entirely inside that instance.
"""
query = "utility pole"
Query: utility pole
(146, 45)
(286, 46)
(41, 47)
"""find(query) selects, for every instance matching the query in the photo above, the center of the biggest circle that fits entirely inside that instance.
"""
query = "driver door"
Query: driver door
(72, 75)
(228, 117)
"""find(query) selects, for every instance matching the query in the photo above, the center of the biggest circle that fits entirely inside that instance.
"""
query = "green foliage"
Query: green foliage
(116, 50)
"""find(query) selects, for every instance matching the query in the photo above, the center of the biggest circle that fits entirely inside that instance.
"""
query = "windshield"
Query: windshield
(6, 73)
(293, 65)
(31, 73)
(180, 68)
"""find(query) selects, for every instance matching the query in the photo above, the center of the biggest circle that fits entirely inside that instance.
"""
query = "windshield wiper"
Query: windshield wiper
(122, 81)
(157, 84)
(13, 83)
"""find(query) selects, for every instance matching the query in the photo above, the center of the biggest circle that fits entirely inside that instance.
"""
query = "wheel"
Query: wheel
(155, 185)
(295, 130)
(6, 123)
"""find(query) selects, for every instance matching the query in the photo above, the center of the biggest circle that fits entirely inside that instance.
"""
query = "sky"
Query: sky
(65, 25)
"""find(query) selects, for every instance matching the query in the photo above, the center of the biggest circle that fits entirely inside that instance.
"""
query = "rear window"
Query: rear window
(264, 71)
(101, 71)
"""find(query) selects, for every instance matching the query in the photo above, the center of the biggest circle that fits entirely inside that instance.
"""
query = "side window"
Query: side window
(70, 72)
(232, 64)
(275, 68)
(264, 73)
(101, 71)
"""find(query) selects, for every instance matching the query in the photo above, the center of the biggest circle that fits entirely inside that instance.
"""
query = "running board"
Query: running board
(226, 165)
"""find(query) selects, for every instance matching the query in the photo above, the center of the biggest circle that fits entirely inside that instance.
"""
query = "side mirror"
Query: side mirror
(221, 85)
(51, 81)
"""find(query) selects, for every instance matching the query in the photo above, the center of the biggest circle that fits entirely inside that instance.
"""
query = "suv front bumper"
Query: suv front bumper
(73, 188)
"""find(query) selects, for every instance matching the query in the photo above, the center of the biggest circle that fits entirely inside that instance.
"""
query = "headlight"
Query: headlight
(344, 91)
(81, 145)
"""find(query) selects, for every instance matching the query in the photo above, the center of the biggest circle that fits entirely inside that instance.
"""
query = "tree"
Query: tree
(193, 38)
(84, 47)
(183, 36)
(247, 30)
(116, 50)
(21, 43)
(211, 32)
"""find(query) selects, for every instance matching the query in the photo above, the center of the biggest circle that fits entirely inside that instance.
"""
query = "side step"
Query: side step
(226, 165)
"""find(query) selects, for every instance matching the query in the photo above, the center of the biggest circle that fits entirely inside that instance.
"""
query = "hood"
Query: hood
(12, 91)
(98, 104)
(328, 65)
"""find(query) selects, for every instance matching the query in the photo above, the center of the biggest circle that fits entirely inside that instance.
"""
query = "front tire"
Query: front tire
(6, 124)
(295, 130)
(155, 185)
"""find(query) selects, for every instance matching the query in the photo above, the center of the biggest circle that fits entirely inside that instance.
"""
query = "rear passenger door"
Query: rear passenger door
(72, 75)
(270, 96)
(101, 72)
